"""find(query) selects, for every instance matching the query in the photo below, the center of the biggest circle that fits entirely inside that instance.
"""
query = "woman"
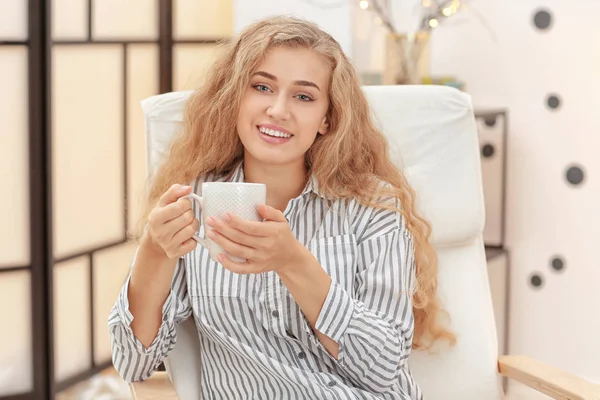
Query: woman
(327, 305)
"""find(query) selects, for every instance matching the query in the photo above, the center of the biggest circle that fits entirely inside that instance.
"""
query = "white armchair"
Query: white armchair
(433, 137)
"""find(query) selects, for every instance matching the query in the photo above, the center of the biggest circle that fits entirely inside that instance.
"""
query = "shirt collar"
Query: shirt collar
(312, 185)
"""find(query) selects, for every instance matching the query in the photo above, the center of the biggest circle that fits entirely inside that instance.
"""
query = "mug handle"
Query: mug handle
(195, 197)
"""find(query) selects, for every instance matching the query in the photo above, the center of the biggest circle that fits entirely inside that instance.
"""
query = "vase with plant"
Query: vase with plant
(407, 53)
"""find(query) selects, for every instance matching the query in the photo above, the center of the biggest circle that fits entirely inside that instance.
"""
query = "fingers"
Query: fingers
(271, 214)
(253, 228)
(232, 233)
(238, 268)
(182, 249)
(173, 194)
(164, 214)
(230, 247)
(174, 210)
(176, 224)
(165, 233)
(176, 238)
(185, 233)
(172, 222)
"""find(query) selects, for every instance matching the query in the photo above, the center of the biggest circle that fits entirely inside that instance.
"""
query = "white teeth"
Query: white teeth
(274, 133)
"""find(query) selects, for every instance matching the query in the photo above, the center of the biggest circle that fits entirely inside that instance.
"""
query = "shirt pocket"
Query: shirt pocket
(209, 278)
(337, 256)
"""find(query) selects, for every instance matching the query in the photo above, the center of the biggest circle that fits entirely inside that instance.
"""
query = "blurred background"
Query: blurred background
(72, 157)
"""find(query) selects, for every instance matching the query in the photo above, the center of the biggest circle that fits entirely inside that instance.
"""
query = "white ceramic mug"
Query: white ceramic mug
(239, 198)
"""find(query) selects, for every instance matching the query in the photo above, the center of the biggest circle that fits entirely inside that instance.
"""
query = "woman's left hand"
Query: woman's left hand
(267, 246)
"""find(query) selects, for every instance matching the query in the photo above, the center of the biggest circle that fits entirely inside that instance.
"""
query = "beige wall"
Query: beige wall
(508, 63)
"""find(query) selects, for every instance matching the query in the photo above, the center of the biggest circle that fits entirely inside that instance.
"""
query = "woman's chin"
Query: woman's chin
(274, 158)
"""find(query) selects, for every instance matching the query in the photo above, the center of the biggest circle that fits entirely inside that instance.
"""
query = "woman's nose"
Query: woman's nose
(279, 109)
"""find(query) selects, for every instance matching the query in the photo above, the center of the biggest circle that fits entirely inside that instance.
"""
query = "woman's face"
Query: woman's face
(284, 106)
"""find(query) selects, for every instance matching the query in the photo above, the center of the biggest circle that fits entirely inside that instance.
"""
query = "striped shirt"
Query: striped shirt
(255, 341)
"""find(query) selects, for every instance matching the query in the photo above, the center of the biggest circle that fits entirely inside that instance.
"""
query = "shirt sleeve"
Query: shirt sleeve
(374, 328)
(130, 358)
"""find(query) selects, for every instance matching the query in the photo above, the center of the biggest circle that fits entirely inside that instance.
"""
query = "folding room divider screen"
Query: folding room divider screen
(72, 156)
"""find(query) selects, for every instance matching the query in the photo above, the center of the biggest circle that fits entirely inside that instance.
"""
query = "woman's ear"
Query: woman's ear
(324, 127)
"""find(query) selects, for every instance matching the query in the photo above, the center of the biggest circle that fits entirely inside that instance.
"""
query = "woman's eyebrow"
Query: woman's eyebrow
(298, 83)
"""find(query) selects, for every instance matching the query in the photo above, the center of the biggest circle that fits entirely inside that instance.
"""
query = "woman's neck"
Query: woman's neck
(283, 182)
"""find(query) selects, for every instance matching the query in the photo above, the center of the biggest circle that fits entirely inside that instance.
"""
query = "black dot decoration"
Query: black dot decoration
(542, 19)
(490, 121)
(575, 175)
(553, 101)
(536, 281)
(557, 264)
(487, 150)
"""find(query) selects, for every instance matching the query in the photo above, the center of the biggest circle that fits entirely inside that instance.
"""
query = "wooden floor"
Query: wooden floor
(107, 385)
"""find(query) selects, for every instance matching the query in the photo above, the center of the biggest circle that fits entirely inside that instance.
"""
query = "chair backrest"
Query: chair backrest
(433, 138)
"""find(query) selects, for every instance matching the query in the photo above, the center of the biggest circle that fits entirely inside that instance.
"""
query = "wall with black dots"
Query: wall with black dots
(539, 60)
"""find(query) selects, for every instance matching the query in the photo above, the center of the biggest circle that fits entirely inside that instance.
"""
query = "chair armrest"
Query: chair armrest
(157, 387)
(546, 379)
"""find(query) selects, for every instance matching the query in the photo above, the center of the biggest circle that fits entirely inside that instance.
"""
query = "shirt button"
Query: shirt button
(275, 313)
(331, 384)
(302, 355)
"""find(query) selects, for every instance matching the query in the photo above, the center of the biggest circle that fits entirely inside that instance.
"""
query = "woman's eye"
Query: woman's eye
(304, 97)
(261, 88)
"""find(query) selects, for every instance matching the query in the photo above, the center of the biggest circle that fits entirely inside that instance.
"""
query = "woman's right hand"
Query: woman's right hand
(172, 223)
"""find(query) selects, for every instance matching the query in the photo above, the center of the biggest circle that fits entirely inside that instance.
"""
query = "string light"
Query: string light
(434, 12)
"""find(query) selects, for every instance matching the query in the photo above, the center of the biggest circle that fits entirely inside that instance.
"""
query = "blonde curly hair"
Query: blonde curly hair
(346, 162)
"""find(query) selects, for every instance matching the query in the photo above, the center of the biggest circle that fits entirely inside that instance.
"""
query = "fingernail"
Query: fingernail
(211, 234)
(227, 217)
(210, 221)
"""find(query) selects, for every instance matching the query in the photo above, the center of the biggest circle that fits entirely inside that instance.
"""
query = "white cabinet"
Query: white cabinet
(492, 128)
(498, 273)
